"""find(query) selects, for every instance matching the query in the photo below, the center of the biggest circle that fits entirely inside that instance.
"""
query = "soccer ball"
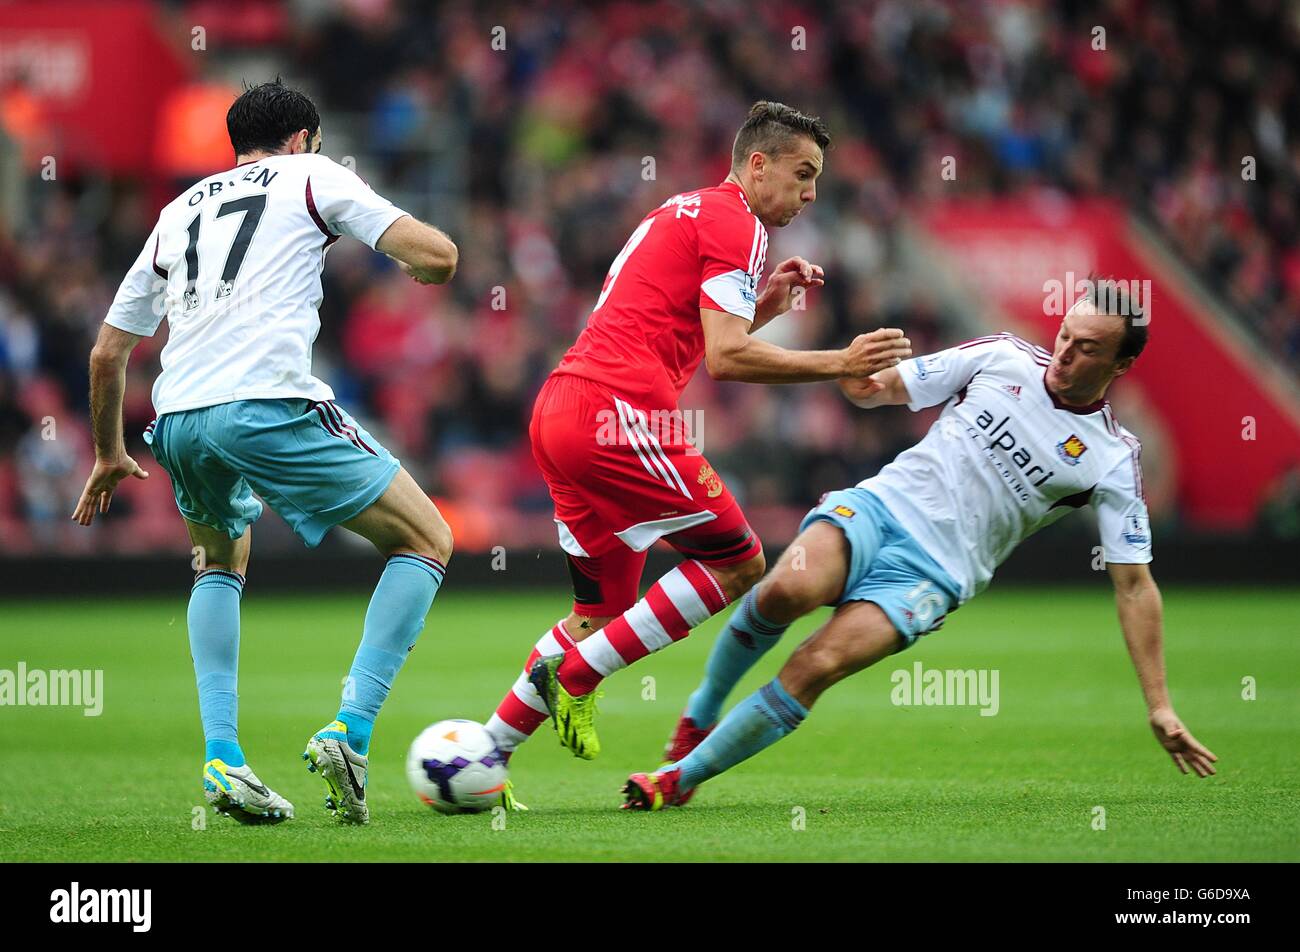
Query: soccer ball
(455, 767)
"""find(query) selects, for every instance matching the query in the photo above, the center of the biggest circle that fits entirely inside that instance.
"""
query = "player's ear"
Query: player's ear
(1122, 366)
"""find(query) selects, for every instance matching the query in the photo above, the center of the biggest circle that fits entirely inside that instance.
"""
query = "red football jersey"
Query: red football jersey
(644, 339)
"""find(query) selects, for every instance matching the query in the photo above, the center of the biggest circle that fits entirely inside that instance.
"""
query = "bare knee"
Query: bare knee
(435, 536)
(234, 561)
(857, 636)
(214, 550)
(426, 534)
(404, 519)
(738, 579)
(788, 594)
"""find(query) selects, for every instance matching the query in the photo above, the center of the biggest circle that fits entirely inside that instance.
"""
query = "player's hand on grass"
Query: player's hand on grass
(1184, 749)
(778, 293)
(99, 487)
(876, 351)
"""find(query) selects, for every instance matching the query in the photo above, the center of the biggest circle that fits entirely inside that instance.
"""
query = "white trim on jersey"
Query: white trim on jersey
(1112, 424)
(648, 448)
(756, 268)
(1040, 356)
(731, 292)
(568, 542)
(641, 536)
(654, 471)
(663, 457)
(753, 248)
(1135, 449)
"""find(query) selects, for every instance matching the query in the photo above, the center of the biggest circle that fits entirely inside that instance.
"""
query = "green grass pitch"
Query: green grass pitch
(870, 780)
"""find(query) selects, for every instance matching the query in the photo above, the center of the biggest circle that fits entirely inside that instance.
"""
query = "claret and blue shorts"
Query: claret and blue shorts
(311, 461)
(887, 565)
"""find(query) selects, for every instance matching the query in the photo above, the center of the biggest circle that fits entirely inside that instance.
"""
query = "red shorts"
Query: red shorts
(621, 478)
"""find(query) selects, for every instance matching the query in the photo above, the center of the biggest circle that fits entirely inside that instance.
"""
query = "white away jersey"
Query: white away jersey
(1005, 458)
(234, 264)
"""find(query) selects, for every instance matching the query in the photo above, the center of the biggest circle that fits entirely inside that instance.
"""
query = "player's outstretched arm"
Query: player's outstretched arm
(730, 353)
(108, 362)
(1141, 617)
(883, 389)
(423, 251)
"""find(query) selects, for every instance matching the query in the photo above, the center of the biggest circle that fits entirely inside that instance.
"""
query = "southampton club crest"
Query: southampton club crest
(710, 481)
(1071, 450)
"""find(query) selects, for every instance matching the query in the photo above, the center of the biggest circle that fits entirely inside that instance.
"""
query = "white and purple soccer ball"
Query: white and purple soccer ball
(454, 766)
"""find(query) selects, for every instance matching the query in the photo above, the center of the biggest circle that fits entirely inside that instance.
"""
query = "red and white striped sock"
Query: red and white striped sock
(522, 710)
(682, 599)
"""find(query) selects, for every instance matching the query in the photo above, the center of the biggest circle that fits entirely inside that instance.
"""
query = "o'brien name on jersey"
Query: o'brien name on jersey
(255, 174)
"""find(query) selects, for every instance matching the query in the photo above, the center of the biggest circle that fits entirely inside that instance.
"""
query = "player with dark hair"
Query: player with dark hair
(607, 433)
(234, 263)
(1025, 436)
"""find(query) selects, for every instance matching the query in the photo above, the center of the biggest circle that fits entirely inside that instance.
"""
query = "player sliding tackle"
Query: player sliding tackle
(1026, 436)
(607, 434)
(239, 257)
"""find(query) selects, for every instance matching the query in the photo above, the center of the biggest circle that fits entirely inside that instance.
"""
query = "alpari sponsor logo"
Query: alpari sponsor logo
(74, 905)
(1000, 437)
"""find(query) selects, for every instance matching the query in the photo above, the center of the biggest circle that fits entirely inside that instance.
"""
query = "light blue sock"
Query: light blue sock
(393, 623)
(757, 722)
(213, 621)
(746, 638)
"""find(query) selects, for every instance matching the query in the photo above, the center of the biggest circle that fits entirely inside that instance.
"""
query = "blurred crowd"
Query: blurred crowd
(588, 118)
